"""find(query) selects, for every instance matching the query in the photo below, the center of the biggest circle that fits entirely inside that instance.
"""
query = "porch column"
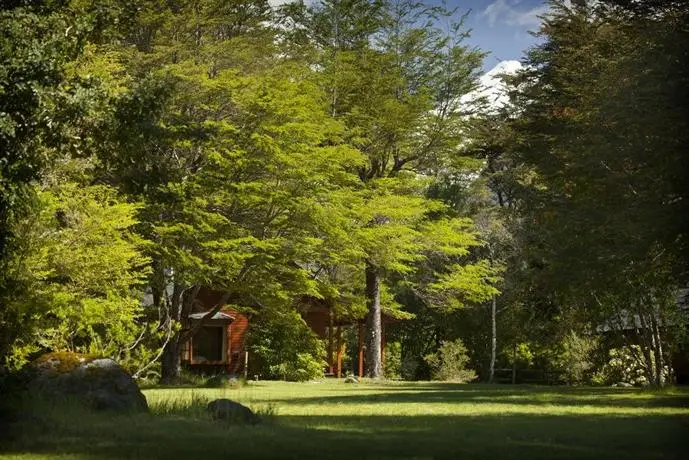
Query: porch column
(228, 348)
(330, 343)
(339, 352)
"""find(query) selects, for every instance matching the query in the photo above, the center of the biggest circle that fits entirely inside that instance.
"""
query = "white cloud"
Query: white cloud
(500, 12)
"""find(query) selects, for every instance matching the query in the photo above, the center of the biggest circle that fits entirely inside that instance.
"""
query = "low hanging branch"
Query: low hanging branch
(155, 359)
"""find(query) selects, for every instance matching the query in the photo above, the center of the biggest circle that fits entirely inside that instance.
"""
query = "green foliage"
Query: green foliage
(393, 360)
(449, 363)
(469, 283)
(283, 347)
(575, 360)
(84, 266)
(304, 368)
(603, 86)
(40, 111)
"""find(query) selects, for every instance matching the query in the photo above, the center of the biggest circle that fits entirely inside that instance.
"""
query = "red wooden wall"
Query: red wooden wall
(236, 338)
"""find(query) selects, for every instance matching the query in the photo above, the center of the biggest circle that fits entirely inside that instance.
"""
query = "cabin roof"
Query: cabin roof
(218, 316)
(625, 320)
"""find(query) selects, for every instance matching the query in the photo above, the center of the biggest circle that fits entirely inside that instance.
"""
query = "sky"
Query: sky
(502, 27)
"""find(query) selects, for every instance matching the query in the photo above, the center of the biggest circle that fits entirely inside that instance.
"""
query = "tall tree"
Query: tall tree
(603, 127)
(43, 117)
(394, 78)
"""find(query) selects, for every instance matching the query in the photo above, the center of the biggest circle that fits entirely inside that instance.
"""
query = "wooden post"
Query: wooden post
(228, 348)
(246, 365)
(339, 352)
(361, 350)
(330, 343)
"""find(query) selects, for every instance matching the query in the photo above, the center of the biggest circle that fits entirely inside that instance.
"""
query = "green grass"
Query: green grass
(380, 421)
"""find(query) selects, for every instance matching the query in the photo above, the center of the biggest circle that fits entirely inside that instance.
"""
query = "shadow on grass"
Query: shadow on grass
(513, 395)
(305, 437)
(490, 398)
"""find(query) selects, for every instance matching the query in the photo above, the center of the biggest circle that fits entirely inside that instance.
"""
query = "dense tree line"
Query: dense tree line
(328, 151)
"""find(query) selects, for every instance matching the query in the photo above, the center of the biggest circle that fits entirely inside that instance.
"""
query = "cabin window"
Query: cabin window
(208, 344)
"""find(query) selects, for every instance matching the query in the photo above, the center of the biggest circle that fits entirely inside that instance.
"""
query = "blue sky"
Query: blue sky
(501, 26)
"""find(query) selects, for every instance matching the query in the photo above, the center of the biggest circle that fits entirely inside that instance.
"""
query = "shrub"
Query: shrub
(573, 362)
(414, 368)
(304, 367)
(284, 347)
(393, 360)
(624, 367)
(449, 363)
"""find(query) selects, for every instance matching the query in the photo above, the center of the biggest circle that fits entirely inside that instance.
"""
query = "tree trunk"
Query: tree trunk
(374, 329)
(658, 353)
(494, 340)
(171, 366)
(649, 368)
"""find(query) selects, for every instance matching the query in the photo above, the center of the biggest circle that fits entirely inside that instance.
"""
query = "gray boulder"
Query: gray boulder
(351, 379)
(231, 412)
(100, 383)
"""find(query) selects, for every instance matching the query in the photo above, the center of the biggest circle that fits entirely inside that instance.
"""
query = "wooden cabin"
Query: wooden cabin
(219, 345)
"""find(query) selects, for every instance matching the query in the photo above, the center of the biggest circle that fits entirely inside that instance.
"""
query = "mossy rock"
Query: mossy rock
(62, 361)
(101, 383)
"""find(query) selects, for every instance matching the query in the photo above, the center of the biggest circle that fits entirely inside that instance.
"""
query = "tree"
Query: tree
(44, 113)
(599, 110)
(394, 79)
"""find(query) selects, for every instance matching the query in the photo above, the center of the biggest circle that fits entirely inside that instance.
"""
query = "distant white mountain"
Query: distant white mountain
(491, 87)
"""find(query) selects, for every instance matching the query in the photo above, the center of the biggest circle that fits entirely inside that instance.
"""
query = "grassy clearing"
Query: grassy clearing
(381, 421)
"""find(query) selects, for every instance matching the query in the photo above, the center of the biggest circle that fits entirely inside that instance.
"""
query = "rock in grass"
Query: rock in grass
(101, 383)
(351, 379)
(231, 412)
(223, 381)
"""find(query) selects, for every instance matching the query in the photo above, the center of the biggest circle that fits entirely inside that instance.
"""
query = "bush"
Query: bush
(449, 363)
(414, 368)
(284, 347)
(393, 360)
(624, 368)
(304, 367)
(573, 362)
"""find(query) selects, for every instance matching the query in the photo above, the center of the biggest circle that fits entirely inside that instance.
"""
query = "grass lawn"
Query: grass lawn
(380, 421)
